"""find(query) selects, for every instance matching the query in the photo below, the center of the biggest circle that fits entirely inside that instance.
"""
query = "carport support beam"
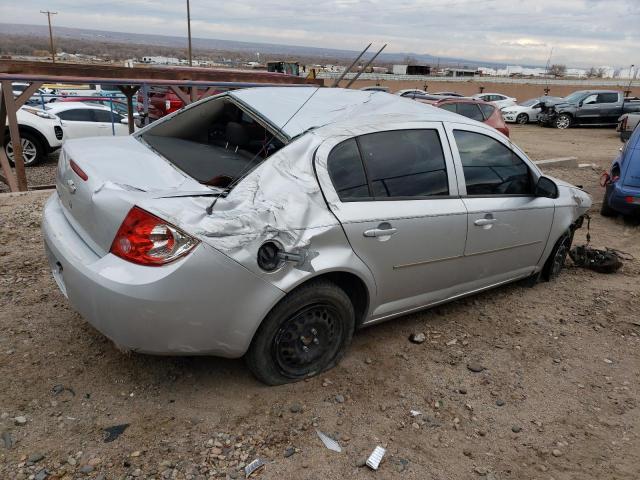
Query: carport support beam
(14, 132)
(8, 177)
(129, 91)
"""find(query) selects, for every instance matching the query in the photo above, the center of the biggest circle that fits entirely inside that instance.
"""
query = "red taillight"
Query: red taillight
(146, 239)
(74, 166)
(633, 200)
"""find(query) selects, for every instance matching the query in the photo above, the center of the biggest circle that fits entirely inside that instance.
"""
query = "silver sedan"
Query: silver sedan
(271, 223)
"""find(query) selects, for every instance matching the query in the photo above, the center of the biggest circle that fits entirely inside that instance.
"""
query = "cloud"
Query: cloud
(581, 32)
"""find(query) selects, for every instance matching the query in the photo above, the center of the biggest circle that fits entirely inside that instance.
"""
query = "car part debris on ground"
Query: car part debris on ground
(329, 442)
(375, 458)
(253, 467)
(601, 261)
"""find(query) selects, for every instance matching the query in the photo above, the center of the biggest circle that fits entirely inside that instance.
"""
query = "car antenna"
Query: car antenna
(233, 183)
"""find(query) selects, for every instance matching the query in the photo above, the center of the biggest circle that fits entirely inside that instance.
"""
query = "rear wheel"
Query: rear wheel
(605, 209)
(305, 334)
(32, 149)
(563, 121)
(522, 119)
(555, 262)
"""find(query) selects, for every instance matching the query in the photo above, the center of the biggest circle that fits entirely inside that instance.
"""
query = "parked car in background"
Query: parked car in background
(501, 101)
(474, 109)
(622, 181)
(41, 95)
(526, 112)
(40, 134)
(448, 94)
(273, 222)
(375, 88)
(627, 123)
(410, 92)
(587, 107)
(119, 105)
(80, 119)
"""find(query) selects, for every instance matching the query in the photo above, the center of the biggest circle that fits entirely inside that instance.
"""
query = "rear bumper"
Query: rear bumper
(617, 201)
(204, 303)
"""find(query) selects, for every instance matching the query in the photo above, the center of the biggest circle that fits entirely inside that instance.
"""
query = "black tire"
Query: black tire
(564, 121)
(315, 321)
(605, 209)
(32, 154)
(522, 119)
(555, 263)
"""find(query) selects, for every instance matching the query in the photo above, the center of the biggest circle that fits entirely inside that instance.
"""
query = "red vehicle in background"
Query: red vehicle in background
(474, 109)
(162, 101)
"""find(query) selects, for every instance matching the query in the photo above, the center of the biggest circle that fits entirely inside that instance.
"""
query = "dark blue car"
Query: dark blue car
(622, 195)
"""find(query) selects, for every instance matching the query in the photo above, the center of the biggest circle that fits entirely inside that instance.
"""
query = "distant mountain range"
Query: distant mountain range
(270, 49)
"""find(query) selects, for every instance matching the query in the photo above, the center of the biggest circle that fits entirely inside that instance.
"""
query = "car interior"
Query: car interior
(215, 142)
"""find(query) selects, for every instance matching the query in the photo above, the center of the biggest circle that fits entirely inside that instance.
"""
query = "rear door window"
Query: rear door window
(487, 110)
(404, 163)
(106, 116)
(490, 168)
(470, 110)
(347, 172)
(607, 97)
(77, 115)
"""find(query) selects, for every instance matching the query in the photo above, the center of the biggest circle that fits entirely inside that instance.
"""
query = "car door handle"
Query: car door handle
(481, 222)
(380, 232)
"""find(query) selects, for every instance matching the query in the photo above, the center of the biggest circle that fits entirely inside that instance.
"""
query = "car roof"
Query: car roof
(61, 106)
(294, 110)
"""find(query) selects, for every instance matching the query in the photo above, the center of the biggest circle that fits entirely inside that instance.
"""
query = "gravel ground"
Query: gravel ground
(556, 395)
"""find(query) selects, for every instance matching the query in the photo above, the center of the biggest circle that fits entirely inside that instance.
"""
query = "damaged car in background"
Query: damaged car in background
(272, 223)
(587, 107)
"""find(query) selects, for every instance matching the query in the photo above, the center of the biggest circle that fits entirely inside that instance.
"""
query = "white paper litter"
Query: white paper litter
(329, 442)
(375, 458)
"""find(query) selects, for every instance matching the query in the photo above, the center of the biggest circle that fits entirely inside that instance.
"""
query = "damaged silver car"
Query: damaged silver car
(271, 223)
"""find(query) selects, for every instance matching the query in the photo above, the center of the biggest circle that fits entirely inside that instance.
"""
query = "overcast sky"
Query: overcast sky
(581, 32)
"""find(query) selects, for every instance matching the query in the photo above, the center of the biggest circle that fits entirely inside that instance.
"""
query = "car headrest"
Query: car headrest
(236, 134)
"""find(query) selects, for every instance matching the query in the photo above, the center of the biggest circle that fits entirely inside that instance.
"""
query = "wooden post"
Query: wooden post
(129, 91)
(181, 94)
(8, 177)
(18, 159)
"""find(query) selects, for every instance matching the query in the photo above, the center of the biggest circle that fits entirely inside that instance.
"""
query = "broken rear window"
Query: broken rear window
(215, 142)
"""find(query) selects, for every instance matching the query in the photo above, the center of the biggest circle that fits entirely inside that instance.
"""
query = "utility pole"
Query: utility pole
(189, 32)
(53, 50)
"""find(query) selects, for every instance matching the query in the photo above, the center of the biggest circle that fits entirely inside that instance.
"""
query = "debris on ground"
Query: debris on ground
(417, 338)
(601, 261)
(253, 467)
(375, 458)
(112, 433)
(329, 442)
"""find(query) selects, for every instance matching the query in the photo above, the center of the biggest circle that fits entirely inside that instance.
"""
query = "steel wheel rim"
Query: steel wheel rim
(559, 258)
(307, 340)
(29, 151)
(522, 119)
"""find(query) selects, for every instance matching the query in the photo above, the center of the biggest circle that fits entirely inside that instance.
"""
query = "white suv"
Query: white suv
(40, 133)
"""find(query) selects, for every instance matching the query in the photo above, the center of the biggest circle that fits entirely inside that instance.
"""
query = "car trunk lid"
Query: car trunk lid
(120, 172)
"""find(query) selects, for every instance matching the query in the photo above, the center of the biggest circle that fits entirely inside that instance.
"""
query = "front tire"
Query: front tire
(564, 121)
(33, 151)
(555, 262)
(522, 119)
(305, 334)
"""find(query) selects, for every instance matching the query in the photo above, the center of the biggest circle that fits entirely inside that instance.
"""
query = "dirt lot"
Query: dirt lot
(558, 397)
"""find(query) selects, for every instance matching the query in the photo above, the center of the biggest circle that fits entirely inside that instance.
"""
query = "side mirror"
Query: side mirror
(546, 188)
(580, 103)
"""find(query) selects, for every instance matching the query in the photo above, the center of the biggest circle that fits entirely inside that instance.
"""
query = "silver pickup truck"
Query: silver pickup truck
(587, 107)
